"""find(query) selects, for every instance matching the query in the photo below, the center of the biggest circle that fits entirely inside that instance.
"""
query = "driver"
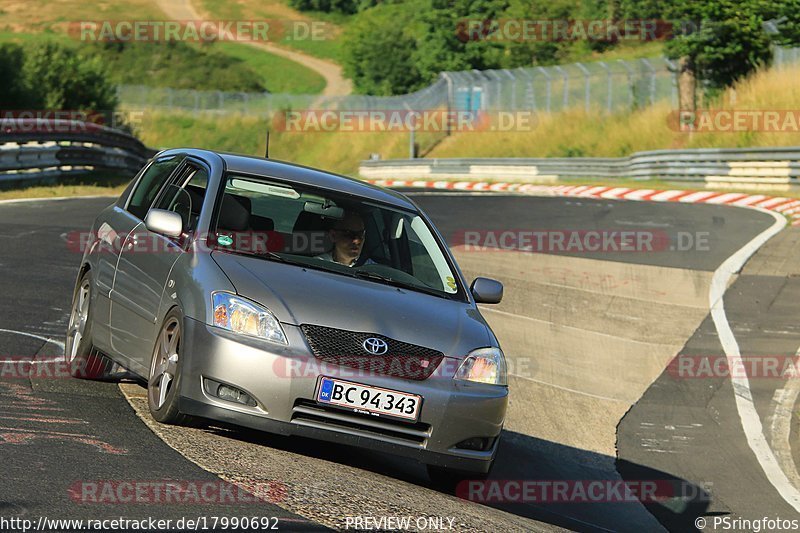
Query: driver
(347, 235)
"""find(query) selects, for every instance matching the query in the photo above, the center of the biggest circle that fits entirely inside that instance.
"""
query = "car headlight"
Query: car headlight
(242, 316)
(486, 365)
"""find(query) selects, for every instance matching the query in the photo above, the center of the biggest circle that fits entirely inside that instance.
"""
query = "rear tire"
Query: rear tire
(164, 383)
(82, 358)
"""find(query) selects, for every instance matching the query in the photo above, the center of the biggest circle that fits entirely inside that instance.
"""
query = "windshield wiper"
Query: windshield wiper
(394, 282)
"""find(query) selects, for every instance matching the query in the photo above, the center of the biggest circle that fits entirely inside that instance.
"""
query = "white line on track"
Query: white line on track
(26, 200)
(566, 326)
(780, 427)
(751, 422)
(567, 389)
(34, 336)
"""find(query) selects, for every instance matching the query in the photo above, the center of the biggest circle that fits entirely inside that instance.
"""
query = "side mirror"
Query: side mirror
(164, 222)
(486, 291)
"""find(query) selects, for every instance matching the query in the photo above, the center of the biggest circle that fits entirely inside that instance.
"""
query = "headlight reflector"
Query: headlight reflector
(241, 316)
(485, 365)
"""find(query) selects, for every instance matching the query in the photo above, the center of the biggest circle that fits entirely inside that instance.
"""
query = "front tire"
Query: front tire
(82, 358)
(163, 386)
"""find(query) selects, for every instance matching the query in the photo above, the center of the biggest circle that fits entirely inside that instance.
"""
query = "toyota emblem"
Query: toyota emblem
(375, 346)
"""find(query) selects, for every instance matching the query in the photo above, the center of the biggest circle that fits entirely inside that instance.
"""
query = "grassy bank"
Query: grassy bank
(578, 133)
(570, 133)
(326, 46)
(338, 152)
(223, 66)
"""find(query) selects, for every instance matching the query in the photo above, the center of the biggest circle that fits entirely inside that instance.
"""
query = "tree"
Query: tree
(12, 91)
(348, 7)
(58, 77)
(378, 50)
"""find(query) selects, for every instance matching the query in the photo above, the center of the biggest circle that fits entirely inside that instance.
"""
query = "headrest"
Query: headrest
(235, 213)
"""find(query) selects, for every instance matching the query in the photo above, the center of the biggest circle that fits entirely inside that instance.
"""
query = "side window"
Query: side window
(187, 201)
(149, 185)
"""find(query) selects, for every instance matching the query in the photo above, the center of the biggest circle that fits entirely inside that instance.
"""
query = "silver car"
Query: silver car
(294, 301)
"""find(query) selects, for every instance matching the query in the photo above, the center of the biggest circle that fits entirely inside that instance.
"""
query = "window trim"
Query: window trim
(180, 178)
(126, 207)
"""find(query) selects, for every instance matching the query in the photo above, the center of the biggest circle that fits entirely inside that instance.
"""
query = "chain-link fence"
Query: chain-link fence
(786, 56)
(611, 86)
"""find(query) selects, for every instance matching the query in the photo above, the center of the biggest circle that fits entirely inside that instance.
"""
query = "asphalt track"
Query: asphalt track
(56, 432)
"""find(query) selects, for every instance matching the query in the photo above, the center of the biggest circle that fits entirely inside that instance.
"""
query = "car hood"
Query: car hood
(300, 295)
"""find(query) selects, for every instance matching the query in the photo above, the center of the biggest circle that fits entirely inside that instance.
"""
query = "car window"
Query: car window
(329, 231)
(186, 200)
(149, 185)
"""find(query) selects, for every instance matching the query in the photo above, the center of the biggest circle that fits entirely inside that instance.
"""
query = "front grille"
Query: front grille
(310, 414)
(345, 348)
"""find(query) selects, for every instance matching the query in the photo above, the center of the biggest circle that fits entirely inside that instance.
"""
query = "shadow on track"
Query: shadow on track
(522, 458)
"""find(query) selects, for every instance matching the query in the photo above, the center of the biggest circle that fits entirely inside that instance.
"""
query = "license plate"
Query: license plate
(369, 400)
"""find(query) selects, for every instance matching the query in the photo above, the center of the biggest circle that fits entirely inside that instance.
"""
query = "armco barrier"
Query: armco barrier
(720, 166)
(35, 149)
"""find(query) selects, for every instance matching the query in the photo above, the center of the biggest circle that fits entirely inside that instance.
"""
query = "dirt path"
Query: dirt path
(335, 82)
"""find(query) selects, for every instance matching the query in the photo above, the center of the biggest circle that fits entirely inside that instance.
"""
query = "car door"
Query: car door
(119, 221)
(145, 263)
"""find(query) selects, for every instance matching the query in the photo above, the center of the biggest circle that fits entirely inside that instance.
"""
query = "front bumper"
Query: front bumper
(283, 381)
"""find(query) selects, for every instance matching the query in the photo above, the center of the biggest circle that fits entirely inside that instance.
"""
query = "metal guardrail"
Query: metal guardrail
(722, 166)
(35, 149)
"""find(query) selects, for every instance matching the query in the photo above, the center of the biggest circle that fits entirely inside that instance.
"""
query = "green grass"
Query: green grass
(578, 133)
(562, 134)
(32, 38)
(222, 66)
(328, 47)
(337, 152)
(95, 184)
(278, 74)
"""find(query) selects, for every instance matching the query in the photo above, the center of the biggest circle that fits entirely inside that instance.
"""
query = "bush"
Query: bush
(175, 65)
(378, 52)
(55, 77)
(62, 78)
(12, 90)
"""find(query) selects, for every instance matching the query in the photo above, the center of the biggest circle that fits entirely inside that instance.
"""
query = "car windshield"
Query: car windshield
(324, 230)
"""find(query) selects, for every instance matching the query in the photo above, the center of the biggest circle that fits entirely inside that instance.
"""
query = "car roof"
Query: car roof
(274, 168)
